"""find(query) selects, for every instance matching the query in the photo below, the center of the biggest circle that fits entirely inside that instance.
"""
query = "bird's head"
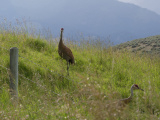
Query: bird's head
(135, 86)
(62, 29)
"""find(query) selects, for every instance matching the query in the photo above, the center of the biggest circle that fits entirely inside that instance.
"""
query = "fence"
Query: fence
(13, 71)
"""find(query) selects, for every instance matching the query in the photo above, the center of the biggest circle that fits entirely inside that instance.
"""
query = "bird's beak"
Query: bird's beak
(141, 89)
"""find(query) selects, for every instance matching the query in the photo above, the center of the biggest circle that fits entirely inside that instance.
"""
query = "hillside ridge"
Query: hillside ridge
(149, 45)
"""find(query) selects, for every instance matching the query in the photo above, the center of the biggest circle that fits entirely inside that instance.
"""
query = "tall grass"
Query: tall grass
(100, 77)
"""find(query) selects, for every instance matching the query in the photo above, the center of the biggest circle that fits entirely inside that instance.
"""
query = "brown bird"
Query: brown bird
(65, 52)
(122, 102)
(115, 108)
(127, 100)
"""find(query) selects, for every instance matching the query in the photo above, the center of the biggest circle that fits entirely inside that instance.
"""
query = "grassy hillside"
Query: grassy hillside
(149, 45)
(99, 77)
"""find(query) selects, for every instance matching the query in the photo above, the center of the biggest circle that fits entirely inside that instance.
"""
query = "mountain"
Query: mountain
(119, 21)
(150, 45)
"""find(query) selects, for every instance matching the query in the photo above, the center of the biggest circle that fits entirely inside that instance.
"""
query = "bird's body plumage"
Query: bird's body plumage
(65, 53)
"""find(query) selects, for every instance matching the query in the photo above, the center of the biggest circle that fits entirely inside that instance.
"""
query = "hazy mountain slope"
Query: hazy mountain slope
(120, 21)
(149, 45)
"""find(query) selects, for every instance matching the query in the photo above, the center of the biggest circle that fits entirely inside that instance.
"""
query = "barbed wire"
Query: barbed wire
(30, 80)
(4, 48)
(37, 84)
(4, 67)
(46, 68)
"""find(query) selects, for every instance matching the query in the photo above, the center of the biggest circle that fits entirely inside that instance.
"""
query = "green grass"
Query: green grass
(99, 77)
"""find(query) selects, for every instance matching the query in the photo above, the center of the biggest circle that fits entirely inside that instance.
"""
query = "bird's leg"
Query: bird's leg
(68, 68)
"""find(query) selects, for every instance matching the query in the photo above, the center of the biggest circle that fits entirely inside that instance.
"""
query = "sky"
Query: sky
(152, 5)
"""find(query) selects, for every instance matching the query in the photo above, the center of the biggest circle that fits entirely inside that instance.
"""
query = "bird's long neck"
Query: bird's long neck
(131, 93)
(61, 35)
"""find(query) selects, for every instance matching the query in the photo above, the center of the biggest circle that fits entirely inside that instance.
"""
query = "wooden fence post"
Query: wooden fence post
(14, 72)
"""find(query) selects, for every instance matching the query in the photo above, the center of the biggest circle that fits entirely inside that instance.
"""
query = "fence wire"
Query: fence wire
(4, 48)
(30, 80)
(38, 84)
(46, 68)
(4, 67)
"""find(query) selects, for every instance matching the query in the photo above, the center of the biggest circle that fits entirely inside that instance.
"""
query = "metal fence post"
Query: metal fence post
(14, 71)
